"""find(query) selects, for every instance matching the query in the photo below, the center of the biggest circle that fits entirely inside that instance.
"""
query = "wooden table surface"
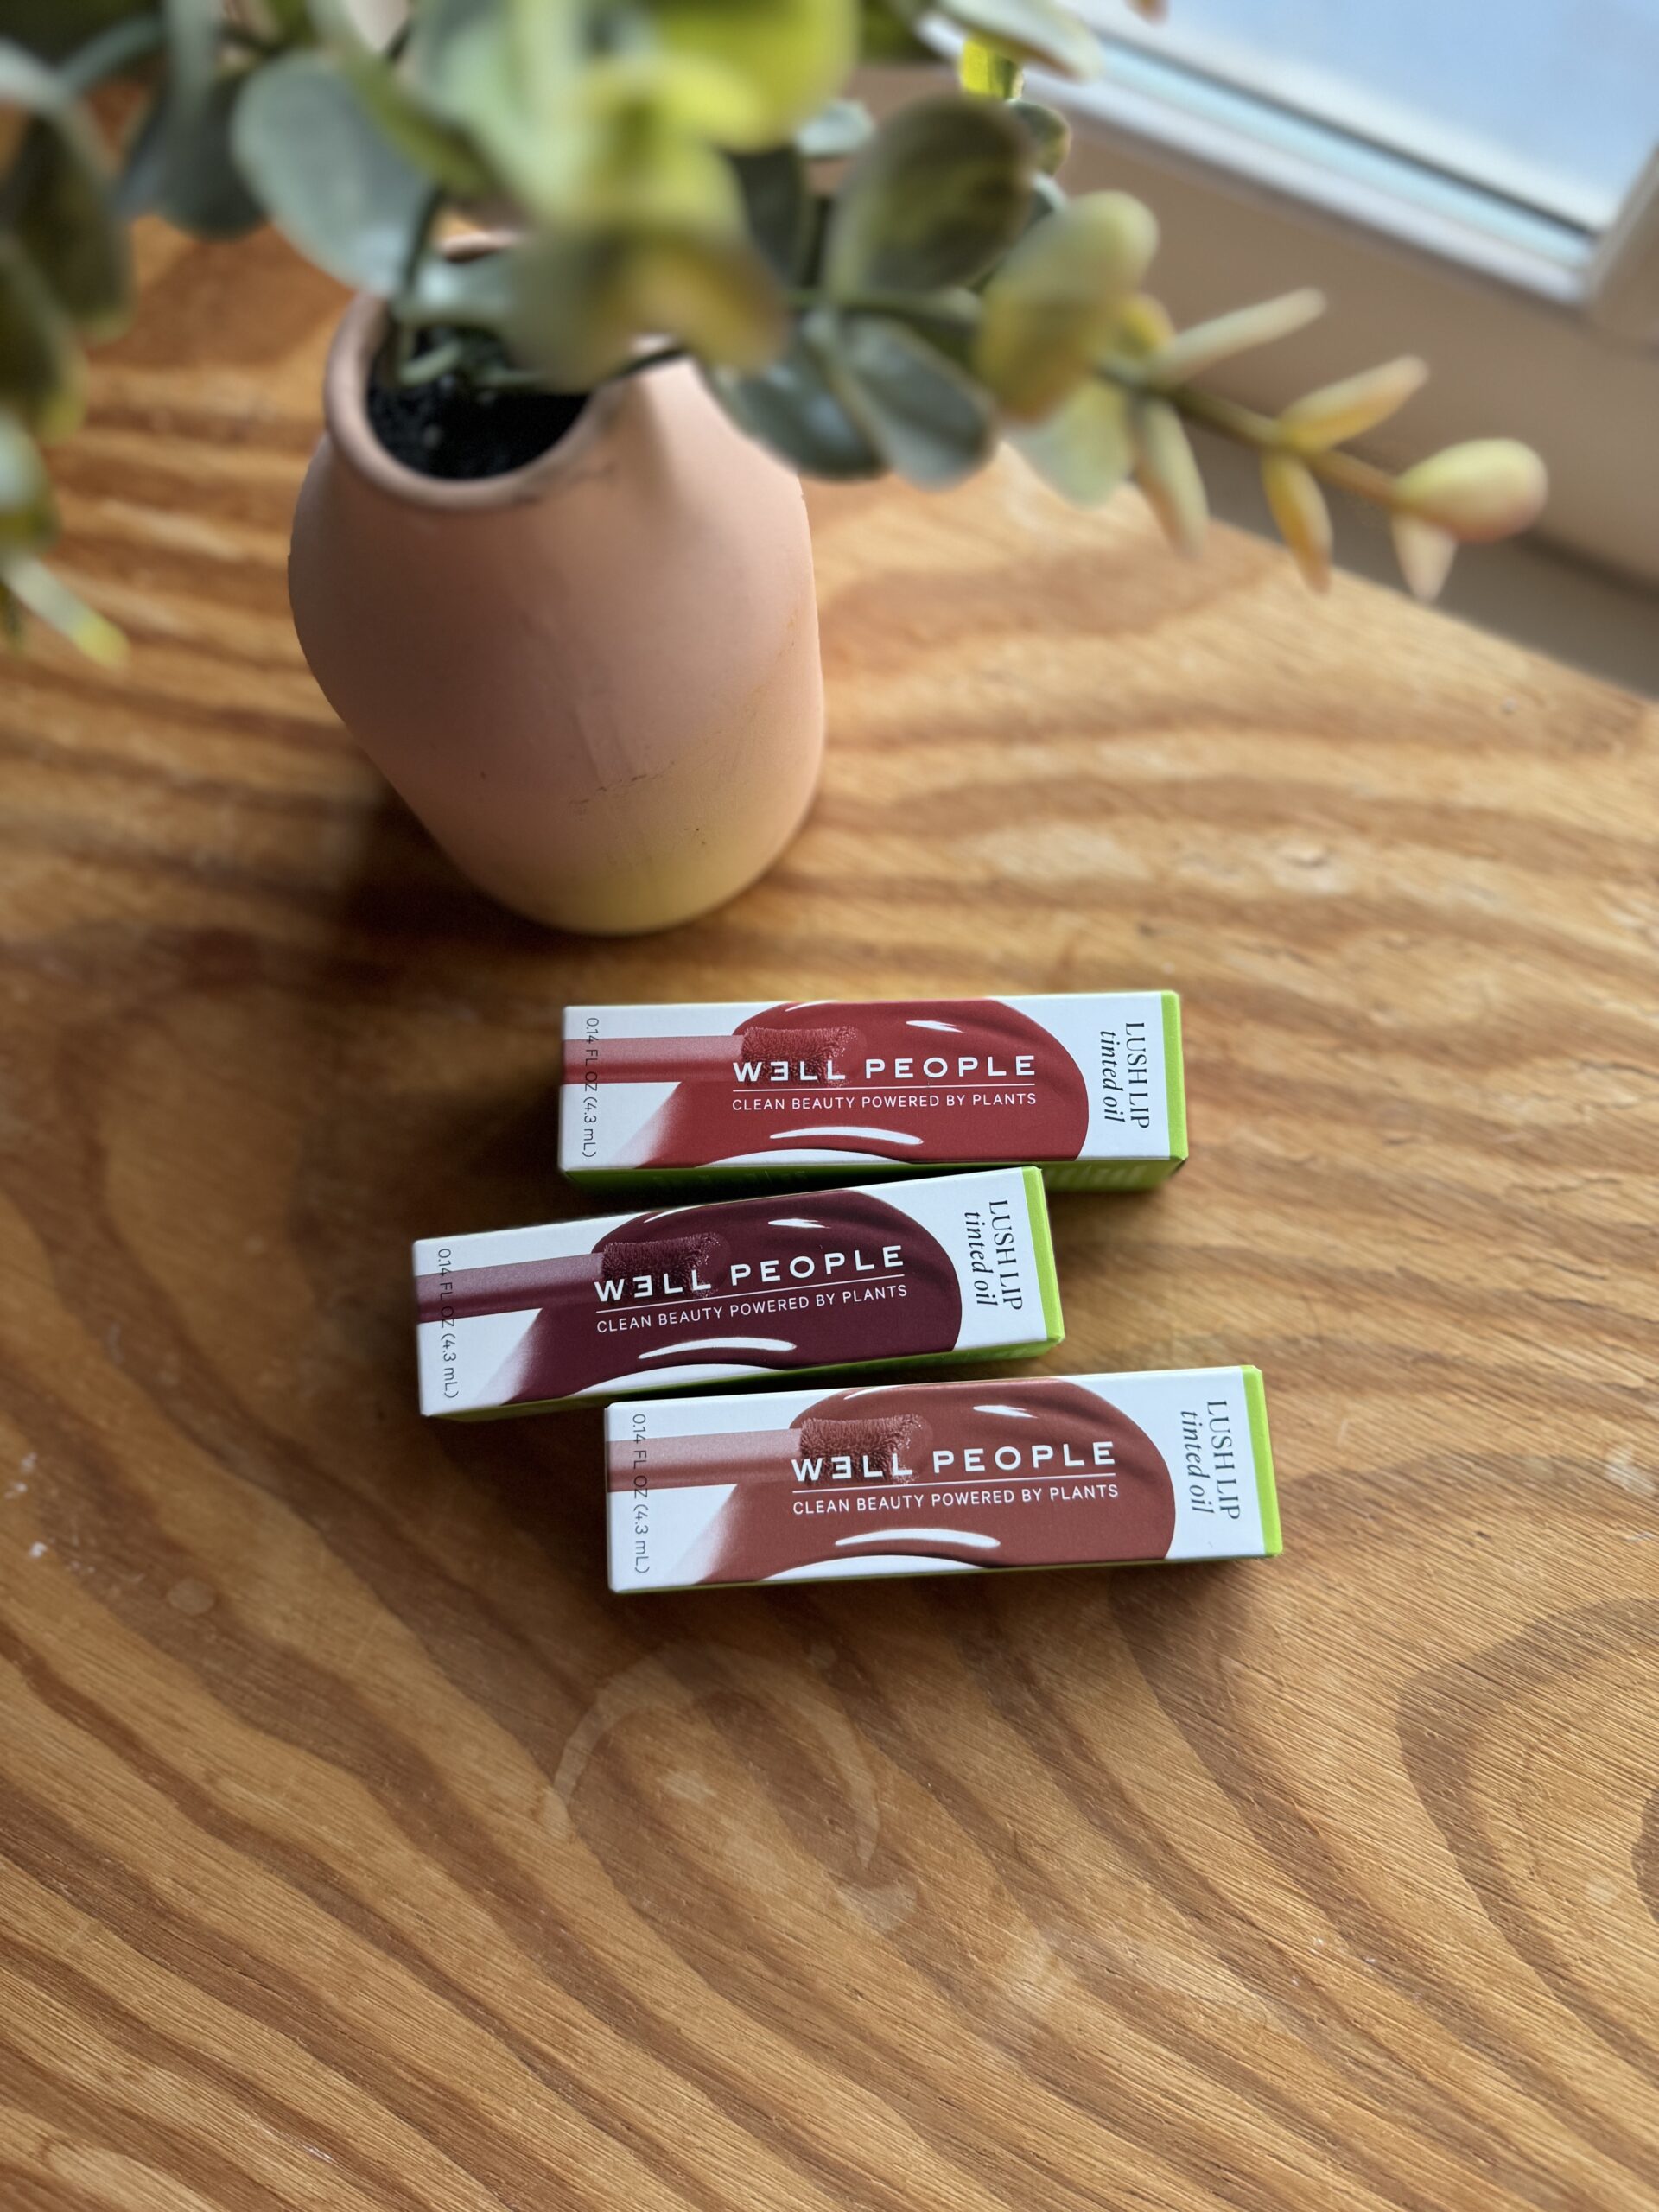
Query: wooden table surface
(359, 1852)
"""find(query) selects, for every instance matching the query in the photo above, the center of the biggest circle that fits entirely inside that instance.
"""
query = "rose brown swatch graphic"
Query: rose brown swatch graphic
(1023, 1473)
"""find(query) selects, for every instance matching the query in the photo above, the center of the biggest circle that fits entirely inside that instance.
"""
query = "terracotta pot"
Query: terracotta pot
(595, 679)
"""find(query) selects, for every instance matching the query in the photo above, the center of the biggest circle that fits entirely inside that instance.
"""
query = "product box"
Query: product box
(1087, 1087)
(940, 1478)
(946, 1267)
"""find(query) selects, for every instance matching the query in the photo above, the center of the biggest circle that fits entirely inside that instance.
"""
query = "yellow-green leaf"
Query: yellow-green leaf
(1487, 488)
(573, 307)
(1347, 409)
(718, 298)
(991, 75)
(1190, 352)
(1054, 303)
(1167, 472)
(46, 597)
(26, 520)
(1298, 508)
(1083, 450)
(646, 174)
(686, 92)
(790, 55)
(1425, 553)
(1142, 328)
(1053, 36)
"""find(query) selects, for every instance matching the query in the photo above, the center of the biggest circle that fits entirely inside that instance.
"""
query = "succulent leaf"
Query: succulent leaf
(929, 422)
(1347, 409)
(1166, 470)
(33, 587)
(792, 407)
(1190, 352)
(1048, 130)
(1425, 553)
(1487, 488)
(1298, 508)
(334, 184)
(1056, 300)
(789, 55)
(27, 519)
(936, 195)
(1083, 450)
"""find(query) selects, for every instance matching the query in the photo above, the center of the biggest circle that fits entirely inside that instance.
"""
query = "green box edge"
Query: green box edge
(1109, 1174)
(1042, 1246)
(1267, 1488)
(1174, 1076)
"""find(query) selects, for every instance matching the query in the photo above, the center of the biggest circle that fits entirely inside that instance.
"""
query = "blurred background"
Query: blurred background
(1478, 184)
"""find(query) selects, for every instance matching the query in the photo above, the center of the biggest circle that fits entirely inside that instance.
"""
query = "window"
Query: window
(1478, 184)
(1551, 103)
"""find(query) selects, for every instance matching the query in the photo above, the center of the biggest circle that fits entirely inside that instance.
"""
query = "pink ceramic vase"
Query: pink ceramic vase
(595, 679)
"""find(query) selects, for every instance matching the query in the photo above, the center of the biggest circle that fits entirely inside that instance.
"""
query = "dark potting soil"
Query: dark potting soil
(444, 428)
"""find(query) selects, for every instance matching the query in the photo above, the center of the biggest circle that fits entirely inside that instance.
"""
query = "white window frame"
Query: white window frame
(1534, 328)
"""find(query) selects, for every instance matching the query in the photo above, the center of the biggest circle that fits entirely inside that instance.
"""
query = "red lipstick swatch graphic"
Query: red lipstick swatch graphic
(1032, 1472)
(917, 1080)
(657, 1293)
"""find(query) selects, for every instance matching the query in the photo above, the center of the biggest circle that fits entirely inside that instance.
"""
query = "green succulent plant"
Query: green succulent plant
(677, 178)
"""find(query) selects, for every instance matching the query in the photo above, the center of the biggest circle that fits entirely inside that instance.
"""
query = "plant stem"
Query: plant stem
(982, 70)
(111, 52)
(1245, 427)
(501, 376)
(1243, 424)
(423, 229)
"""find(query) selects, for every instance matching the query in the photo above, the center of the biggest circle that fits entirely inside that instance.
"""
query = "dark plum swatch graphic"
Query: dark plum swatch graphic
(672, 1305)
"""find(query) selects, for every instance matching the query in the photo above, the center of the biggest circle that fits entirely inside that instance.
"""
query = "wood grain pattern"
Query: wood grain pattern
(358, 1852)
